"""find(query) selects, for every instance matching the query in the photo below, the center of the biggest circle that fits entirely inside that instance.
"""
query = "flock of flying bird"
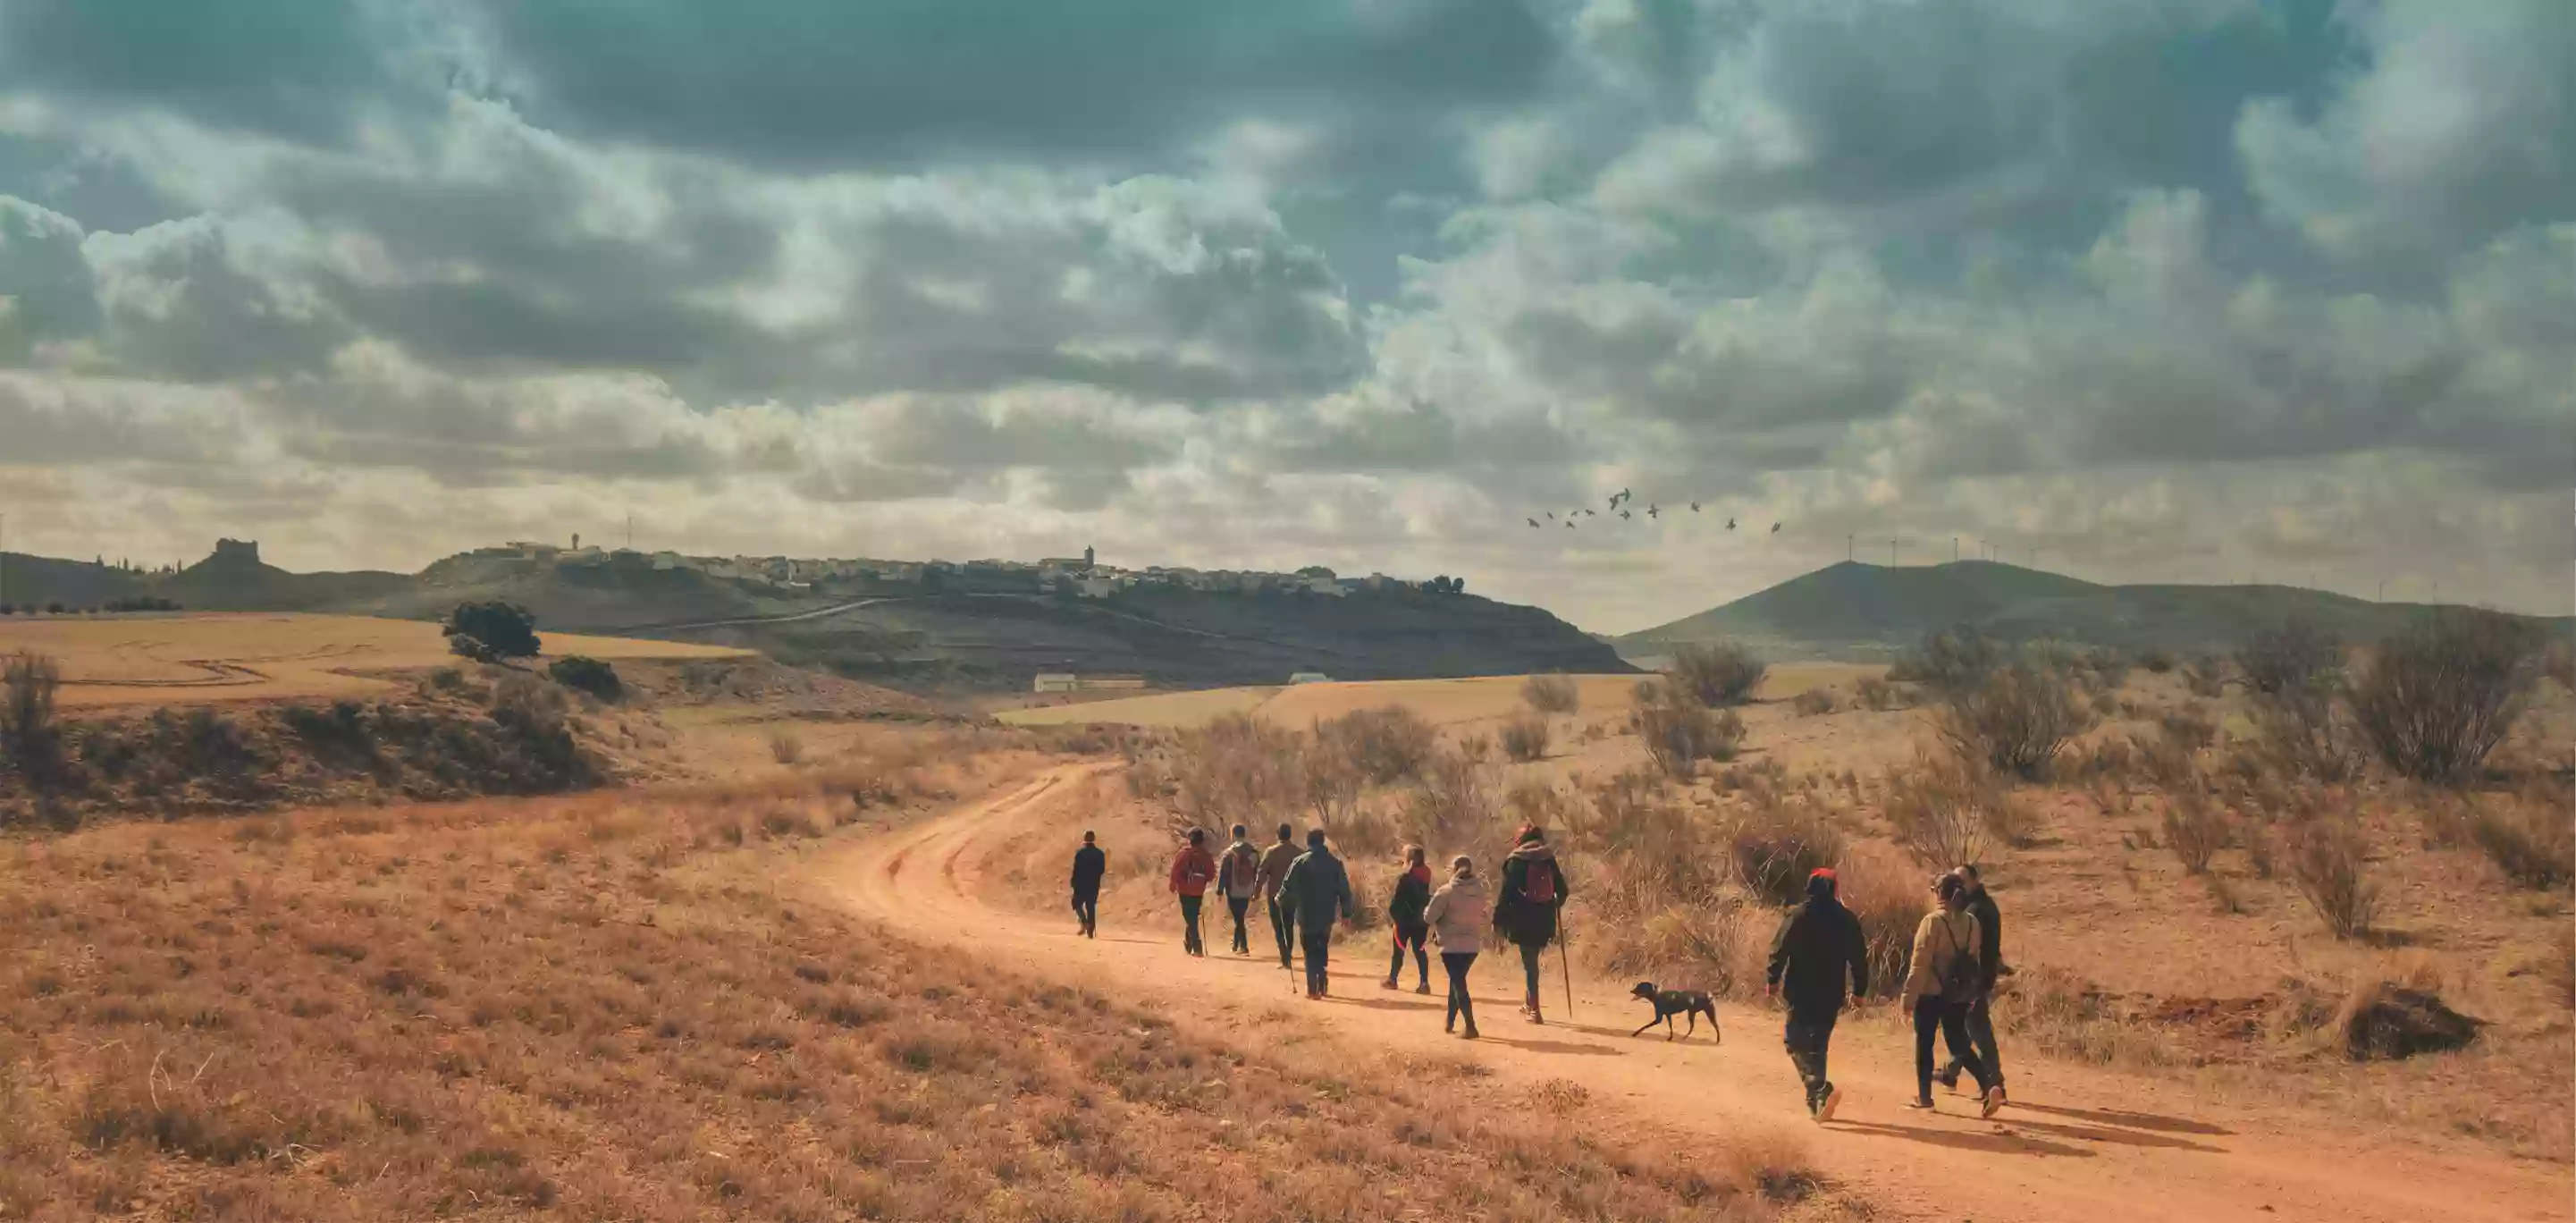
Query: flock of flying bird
(1617, 501)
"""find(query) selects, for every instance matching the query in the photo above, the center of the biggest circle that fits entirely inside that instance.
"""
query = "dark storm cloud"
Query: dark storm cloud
(811, 84)
(291, 67)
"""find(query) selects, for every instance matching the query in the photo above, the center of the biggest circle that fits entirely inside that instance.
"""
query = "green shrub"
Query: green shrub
(1720, 674)
(585, 674)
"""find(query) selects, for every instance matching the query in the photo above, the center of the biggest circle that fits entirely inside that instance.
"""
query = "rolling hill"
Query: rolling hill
(996, 634)
(1857, 611)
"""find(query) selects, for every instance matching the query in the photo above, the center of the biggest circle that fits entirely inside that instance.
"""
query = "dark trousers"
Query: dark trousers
(1190, 924)
(1950, 1020)
(1457, 963)
(1413, 936)
(1319, 950)
(1240, 905)
(1279, 928)
(1981, 1033)
(1809, 1033)
(1529, 972)
(1086, 907)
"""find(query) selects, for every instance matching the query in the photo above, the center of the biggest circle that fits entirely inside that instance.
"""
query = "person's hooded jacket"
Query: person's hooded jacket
(1318, 889)
(1458, 913)
(1523, 921)
(1818, 945)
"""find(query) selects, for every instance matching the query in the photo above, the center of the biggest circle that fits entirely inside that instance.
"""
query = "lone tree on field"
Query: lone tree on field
(491, 631)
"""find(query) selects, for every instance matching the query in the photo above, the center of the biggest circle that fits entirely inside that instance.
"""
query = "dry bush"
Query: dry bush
(1775, 843)
(1238, 769)
(1888, 898)
(1950, 660)
(2558, 662)
(1525, 737)
(786, 747)
(2533, 843)
(2195, 828)
(1939, 808)
(1662, 906)
(1534, 802)
(1719, 674)
(2011, 822)
(1875, 693)
(2189, 727)
(1388, 744)
(30, 735)
(1678, 731)
(2015, 721)
(2292, 658)
(1454, 806)
(2205, 676)
(1552, 694)
(2157, 660)
(2440, 694)
(1814, 702)
(2326, 859)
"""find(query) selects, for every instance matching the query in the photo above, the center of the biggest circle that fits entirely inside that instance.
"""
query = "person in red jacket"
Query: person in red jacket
(1192, 871)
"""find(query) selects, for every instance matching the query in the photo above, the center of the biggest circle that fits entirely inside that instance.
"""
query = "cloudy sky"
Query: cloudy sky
(2150, 290)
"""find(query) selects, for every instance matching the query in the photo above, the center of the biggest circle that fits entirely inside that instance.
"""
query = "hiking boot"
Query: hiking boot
(1424, 988)
(1389, 983)
(1469, 1034)
(1825, 1107)
(1947, 1078)
(1994, 1100)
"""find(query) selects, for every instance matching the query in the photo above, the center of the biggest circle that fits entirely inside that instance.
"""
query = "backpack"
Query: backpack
(1540, 886)
(1244, 865)
(1959, 980)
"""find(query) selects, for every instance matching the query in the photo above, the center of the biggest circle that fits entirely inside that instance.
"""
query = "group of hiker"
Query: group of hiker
(1305, 893)
(1949, 986)
(1818, 950)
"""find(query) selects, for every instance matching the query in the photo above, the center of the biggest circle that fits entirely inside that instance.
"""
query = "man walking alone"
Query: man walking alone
(1274, 870)
(1318, 891)
(1192, 871)
(1819, 943)
(1089, 864)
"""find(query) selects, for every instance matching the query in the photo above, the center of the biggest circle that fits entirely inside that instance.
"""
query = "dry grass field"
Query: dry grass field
(606, 1007)
(192, 659)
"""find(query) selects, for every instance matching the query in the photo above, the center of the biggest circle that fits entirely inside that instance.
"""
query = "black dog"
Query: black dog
(1670, 1002)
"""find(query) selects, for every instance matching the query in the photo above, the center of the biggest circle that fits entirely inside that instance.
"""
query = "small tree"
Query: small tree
(1719, 674)
(1552, 694)
(1949, 660)
(2290, 659)
(505, 630)
(2441, 693)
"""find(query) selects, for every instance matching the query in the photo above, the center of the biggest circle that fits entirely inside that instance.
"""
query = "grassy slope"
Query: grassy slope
(1861, 609)
(601, 1007)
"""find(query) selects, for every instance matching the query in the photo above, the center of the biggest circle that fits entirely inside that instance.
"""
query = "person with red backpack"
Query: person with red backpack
(1533, 892)
(1192, 871)
(1404, 912)
(1238, 878)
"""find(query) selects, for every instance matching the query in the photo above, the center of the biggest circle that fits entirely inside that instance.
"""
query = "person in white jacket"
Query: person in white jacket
(1458, 915)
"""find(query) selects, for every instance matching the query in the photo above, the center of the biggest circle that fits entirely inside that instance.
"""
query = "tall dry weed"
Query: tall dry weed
(2328, 860)
(1939, 808)
(2016, 721)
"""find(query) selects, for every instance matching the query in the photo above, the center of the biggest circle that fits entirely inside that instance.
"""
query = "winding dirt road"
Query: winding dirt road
(2077, 1145)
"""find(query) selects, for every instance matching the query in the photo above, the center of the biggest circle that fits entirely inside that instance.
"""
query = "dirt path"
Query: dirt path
(2077, 1145)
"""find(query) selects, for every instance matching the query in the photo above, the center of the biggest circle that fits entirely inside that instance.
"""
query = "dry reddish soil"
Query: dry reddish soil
(2077, 1143)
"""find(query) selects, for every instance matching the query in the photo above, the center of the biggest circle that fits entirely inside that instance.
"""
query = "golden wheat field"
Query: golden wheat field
(161, 660)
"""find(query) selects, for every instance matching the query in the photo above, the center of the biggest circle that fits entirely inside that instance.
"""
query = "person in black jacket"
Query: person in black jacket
(1819, 943)
(1534, 890)
(1317, 892)
(1980, 1020)
(1404, 912)
(1089, 864)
